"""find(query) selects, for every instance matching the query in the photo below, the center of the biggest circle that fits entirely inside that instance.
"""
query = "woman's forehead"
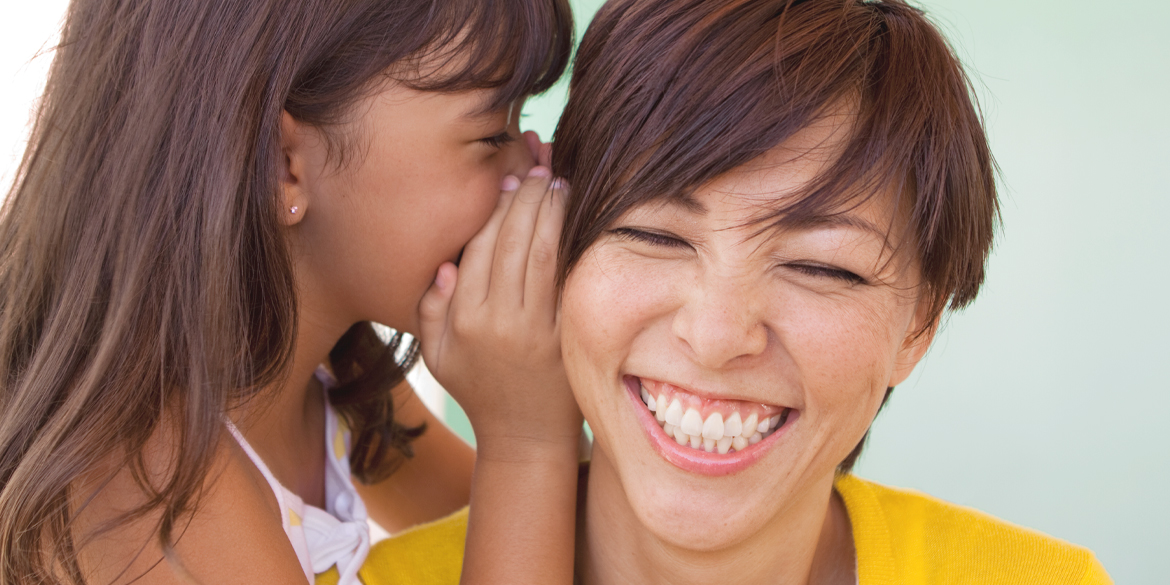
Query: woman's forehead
(796, 162)
(770, 188)
(782, 173)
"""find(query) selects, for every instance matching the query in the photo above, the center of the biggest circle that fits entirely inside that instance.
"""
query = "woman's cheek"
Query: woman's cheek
(843, 354)
(608, 299)
(624, 293)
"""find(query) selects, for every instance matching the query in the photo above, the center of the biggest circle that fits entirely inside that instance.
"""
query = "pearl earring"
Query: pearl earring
(293, 210)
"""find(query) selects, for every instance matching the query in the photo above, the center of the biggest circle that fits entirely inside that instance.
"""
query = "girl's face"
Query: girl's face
(726, 374)
(420, 178)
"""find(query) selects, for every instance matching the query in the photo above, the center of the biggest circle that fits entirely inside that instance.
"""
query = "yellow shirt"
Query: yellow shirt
(902, 538)
(430, 554)
(906, 537)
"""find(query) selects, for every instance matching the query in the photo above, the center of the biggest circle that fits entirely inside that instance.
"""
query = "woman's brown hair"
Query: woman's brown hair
(667, 95)
(142, 268)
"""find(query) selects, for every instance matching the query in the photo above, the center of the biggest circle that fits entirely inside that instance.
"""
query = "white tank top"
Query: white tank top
(337, 536)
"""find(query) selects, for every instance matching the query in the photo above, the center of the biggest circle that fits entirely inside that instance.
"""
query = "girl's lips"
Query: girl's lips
(695, 460)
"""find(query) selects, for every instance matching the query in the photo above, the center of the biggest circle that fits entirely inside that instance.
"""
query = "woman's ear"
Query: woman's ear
(296, 169)
(918, 338)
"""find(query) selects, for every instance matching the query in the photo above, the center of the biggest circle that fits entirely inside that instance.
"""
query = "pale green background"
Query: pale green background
(1043, 403)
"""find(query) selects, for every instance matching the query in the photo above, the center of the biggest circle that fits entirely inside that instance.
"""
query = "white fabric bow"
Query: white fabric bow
(334, 542)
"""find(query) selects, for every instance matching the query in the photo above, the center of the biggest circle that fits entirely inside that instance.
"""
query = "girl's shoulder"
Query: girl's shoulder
(905, 536)
(233, 536)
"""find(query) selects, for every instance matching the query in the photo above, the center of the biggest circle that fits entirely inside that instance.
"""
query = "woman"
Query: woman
(773, 204)
(772, 210)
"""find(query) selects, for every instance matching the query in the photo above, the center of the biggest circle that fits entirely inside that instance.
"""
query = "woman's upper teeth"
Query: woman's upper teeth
(711, 425)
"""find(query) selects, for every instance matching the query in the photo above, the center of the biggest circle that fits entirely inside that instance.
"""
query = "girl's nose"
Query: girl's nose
(722, 321)
(519, 158)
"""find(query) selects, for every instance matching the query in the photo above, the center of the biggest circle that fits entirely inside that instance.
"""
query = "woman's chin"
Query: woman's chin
(699, 518)
(690, 511)
(689, 497)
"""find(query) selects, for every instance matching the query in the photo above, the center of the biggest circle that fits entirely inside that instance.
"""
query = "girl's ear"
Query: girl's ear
(918, 338)
(296, 169)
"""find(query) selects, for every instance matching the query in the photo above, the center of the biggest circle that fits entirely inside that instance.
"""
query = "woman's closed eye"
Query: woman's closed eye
(822, 271)
(645, 237)
(813, 269)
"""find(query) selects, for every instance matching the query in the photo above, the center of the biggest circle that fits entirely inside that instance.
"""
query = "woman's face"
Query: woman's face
(421, 178)
(765, 357)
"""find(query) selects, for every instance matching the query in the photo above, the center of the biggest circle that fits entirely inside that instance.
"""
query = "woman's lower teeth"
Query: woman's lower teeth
(716, 434)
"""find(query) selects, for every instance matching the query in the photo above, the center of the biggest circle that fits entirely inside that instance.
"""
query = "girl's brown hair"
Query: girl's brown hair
(142, 268)
(667, 95)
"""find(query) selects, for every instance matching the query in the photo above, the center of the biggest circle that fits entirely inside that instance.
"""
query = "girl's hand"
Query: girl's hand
(489, 328)
(490, 334)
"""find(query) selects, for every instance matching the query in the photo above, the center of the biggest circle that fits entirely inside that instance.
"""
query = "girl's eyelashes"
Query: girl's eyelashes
(654, 239)
(822, 271)
(498, 141)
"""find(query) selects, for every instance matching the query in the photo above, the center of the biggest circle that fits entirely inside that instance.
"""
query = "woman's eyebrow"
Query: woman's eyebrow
(849, 221)
(687, 203)
(836, 220)
(846, 220)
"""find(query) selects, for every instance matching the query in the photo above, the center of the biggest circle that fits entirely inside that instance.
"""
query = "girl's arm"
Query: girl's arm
(491, 336)
(430, 485)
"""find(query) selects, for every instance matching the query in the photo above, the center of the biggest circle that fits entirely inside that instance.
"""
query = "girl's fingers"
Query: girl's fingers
(510, 265)
(476, 265)
(433, 313)
(539, 283)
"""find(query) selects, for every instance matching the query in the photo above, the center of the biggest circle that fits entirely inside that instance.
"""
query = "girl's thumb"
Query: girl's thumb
(433, 310)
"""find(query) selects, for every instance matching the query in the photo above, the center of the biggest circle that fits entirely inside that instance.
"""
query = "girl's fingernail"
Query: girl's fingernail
(446, 276)
(510, 183)
(540, 172)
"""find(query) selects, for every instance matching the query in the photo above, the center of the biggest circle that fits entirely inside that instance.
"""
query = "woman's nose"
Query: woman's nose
(722, 321)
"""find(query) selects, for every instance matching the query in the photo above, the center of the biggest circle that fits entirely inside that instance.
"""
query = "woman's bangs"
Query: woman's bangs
(518, 48)
(689, 99)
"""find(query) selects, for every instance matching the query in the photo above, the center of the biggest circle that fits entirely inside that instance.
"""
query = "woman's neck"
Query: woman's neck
(809, 543)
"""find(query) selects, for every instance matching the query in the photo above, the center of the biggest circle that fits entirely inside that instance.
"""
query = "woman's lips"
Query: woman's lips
(706, 436)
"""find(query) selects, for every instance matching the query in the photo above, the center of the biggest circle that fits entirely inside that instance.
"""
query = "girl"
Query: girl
(218, 200)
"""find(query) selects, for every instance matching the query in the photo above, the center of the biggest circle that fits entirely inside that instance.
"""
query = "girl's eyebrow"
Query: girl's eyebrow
(486, 104)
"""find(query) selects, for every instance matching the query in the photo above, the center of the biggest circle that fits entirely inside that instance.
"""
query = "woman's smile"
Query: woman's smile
(704, 433)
